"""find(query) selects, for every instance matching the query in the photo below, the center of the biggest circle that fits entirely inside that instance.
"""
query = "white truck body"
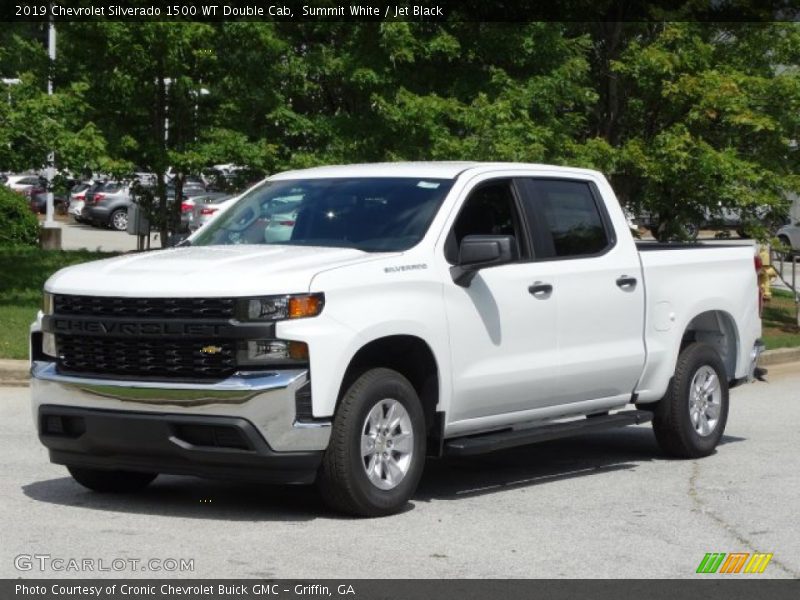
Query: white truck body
(604, 330)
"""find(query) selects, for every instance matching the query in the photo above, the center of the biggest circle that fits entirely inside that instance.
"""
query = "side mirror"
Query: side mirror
(480, 251)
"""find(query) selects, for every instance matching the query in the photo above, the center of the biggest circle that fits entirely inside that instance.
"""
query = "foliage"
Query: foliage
(20, 225)
(23, 272)
(781, 329)
(686, 118)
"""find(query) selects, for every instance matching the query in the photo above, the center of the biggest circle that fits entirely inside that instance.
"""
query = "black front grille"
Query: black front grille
(149, 308)
(140, 357)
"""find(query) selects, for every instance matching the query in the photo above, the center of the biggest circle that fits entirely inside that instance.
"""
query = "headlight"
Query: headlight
(276, 308)
(47, 303)
(271, 352)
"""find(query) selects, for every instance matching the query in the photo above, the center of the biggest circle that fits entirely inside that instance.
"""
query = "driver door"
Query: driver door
(503, 334)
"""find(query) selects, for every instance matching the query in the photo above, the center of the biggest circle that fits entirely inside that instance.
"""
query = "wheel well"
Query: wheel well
(411, 357)
(717, 329)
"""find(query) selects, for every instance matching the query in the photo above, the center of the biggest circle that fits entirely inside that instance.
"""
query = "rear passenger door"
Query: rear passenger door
(598, 289)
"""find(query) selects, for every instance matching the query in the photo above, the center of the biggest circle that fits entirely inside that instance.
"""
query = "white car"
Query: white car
(77, 199)
(23, 183)
(416, 309)
(205, 212)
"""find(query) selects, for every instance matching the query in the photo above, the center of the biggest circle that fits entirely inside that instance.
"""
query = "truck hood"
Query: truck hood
(205, 271)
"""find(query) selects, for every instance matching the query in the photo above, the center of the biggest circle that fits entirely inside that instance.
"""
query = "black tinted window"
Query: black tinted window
(569, 216)
(489, 210)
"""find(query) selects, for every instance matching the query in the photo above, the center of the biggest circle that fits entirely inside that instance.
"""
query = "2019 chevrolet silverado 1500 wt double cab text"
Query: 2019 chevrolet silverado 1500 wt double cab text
(411, 310)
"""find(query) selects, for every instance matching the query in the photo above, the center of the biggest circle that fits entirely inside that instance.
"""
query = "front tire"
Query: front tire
(118, 482)
(376, 453)
(690, 420)
(785, 241)
(119, 220)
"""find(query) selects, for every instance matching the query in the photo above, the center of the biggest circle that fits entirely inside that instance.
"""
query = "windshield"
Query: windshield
(370, 214)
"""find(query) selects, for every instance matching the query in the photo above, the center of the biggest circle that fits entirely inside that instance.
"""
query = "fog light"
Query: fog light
(271, 353)
(266, 350)
(47, 303)
(49, 344)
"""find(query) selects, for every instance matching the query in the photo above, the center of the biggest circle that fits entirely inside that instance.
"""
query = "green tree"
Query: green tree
(701, 117)
(32, 123)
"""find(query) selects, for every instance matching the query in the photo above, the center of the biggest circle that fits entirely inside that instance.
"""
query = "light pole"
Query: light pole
(8, 82)
(51, 232)
(51, 47)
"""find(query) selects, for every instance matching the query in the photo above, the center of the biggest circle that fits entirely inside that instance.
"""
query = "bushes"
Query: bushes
(18, 225)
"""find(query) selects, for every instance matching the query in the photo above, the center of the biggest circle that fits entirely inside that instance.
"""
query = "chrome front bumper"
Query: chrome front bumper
(265, 399)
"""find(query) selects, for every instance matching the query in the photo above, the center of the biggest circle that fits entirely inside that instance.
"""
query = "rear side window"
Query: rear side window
(566, 214)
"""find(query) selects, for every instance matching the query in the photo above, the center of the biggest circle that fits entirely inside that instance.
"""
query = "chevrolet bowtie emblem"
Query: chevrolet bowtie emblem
(210, 349)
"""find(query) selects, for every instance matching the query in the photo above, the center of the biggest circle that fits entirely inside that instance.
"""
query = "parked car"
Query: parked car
(202, 209)
(417, 309)
(107, 205)
(719, 219)
(77, 197)
(282, 218)
(24, 183)
(789, 236)
(38, 202)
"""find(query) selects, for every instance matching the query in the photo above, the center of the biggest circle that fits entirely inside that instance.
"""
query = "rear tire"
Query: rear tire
(376, 453)
(118, 482)
(690, 420)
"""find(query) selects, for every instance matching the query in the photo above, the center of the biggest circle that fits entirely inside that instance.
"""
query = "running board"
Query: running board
(510, 438)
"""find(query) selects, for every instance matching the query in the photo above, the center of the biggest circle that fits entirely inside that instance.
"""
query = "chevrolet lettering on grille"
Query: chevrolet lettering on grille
(62, 325)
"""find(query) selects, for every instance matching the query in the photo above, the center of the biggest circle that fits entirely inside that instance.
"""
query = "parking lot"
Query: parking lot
(605, 505)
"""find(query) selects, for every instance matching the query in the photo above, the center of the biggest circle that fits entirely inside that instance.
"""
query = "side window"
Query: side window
(567, 216)
(488, 210)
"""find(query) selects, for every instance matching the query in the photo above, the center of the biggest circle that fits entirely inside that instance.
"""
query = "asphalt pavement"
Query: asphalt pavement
(604, 505)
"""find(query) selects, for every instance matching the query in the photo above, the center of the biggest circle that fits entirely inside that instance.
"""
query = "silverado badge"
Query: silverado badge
(210, 349)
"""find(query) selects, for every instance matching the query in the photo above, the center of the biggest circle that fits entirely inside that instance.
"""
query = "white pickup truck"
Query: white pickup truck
(407, 310)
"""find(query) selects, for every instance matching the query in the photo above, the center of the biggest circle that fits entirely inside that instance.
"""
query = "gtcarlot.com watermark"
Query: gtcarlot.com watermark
(59, 564)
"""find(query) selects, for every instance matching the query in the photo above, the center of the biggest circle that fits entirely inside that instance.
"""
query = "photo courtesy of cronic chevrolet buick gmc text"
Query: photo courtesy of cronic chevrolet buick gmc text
(405, 311)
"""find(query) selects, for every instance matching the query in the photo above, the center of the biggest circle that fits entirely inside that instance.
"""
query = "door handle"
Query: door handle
(626, 282)
(540, 289)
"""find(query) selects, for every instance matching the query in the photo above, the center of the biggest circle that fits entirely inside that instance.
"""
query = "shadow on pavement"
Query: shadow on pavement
(192, 498)
(444, 479)
(588, 455)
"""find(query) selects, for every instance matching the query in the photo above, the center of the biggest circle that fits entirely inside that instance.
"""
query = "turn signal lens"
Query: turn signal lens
(304, 306)
(298, 350)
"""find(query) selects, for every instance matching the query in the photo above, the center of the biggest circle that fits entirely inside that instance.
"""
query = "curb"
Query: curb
(779, 356)
(16, 372)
